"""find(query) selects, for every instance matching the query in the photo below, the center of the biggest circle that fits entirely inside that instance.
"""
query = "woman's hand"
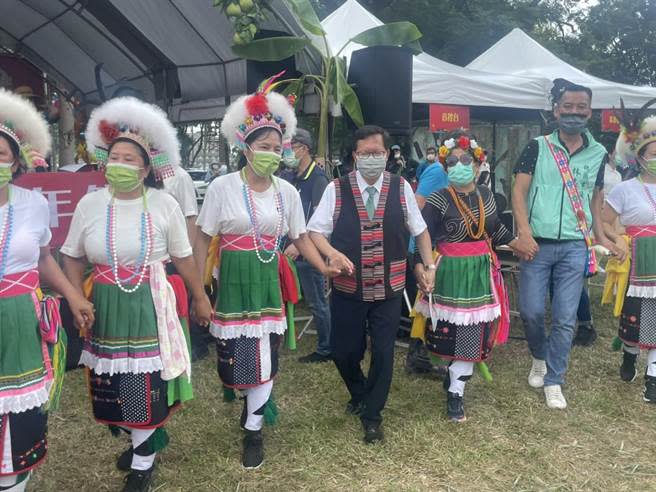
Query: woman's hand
(201, 310)
(82, 310)
(291, 252)
(425, 278)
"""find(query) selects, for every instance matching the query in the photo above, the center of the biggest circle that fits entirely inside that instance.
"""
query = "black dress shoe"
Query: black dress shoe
(253, 450)
(353, 408)
(315, 358)
(585, 336)
(124, 460)
(373, 432)
(139, 480)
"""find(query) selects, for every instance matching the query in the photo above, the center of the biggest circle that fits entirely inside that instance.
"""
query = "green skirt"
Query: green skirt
(24, 362)
(249, 299)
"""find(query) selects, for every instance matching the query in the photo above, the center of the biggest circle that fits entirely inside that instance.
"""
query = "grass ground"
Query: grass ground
(605, 440)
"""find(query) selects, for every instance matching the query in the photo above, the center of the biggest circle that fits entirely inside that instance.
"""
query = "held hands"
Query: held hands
(525, 247)
(338, 264)
(201, 310)
(619, 249)
(425, 278)
(291, 252)
(83, 312)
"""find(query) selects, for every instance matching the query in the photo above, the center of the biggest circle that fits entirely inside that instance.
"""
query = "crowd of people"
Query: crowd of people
(138, 253)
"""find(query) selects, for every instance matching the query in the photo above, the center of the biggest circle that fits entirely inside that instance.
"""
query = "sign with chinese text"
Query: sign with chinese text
(444, 118)
(609, 121)
(62, 190)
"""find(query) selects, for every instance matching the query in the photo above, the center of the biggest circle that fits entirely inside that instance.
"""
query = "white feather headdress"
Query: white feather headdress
(144, 124)
(23, 123)
(264, 109)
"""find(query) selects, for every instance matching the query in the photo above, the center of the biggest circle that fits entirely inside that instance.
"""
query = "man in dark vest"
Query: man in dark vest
(368, 216)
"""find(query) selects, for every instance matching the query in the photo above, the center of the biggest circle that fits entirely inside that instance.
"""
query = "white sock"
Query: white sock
(632, 349)
(459, 370)
(255, 398)
(139, 436)
(11, 480)
(651, 362)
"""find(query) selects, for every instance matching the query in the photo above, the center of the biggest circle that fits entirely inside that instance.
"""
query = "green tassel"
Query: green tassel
(617, 344)
(58, 358)
(115, 430)
(291, 327)
(270, 412)
(229, 394)
(158, 440)
(485, 371)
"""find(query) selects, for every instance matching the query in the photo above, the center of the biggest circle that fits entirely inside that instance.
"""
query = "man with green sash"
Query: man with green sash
(557, 198)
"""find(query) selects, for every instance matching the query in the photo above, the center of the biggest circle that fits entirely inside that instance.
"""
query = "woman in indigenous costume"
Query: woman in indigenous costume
(26, 368)
(252, 211)
(136, 352)
(468, 305)
(634, 203)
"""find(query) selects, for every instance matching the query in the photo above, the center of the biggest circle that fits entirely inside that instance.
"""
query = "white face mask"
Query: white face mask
(371, 167)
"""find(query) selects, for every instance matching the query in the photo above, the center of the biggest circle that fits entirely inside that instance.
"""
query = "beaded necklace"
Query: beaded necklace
(145, 250)
(468, 216)
(6, 230)
(258, 242)
(650, 198)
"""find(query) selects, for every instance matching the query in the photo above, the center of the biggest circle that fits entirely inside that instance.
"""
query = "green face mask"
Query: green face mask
(650, 166)
(122, 177)
(264, 163)
(5, 173)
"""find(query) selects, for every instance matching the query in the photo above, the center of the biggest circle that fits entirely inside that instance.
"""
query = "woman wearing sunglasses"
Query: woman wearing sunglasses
(468, 306)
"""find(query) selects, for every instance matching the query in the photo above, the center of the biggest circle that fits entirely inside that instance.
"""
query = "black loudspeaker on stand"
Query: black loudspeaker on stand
(382, 78)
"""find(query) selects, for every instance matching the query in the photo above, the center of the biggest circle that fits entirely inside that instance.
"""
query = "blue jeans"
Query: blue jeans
(583, 313)
(312, 284)
(563, 264)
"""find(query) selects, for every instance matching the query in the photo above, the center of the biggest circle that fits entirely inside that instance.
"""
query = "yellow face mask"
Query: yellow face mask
(5, 173)
(122, 177)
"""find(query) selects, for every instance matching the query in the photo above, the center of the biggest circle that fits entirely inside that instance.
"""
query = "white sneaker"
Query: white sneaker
(555, 398)
(538, 371)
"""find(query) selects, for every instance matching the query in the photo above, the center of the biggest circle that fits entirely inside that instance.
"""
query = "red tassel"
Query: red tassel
(108, 131)
(257, 104)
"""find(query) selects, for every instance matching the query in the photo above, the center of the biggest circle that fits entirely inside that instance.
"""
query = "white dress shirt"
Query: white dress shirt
(322, 219)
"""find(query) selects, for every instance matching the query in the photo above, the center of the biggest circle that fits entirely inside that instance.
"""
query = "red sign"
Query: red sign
(443, 117)
(62, 190)
(609, 121)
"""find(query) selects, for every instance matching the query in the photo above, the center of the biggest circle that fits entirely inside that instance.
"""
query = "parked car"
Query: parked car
(198, 177)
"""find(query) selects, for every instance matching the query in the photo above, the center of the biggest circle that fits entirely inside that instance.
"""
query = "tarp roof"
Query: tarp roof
(174, 51)
(436, 81)
(519, 54)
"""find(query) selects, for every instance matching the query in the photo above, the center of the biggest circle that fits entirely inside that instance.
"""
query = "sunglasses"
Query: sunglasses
(465, 159)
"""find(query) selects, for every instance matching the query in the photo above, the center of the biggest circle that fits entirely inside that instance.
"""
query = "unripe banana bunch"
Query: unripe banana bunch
(244, 16)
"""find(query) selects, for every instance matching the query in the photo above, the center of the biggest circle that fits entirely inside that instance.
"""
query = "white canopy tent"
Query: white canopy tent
(518, 54)
(436, 81)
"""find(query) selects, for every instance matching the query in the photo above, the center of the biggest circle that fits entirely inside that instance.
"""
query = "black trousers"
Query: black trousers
(351, 320)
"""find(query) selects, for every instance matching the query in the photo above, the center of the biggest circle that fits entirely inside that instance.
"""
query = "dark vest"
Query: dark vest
(377, 247)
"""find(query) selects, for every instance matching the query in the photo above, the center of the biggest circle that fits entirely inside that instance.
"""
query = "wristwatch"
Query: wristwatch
(430, 267)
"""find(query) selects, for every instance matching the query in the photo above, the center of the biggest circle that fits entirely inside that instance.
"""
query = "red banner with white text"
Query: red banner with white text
(62, 190)
(445, 118)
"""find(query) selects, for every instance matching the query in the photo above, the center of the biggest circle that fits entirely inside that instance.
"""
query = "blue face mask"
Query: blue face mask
(461, 174)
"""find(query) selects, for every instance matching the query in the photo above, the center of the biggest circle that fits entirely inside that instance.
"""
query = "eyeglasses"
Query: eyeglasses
(370, 155)
(465, 159)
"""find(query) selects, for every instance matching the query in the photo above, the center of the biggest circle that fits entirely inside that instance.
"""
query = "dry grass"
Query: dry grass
(604, 441)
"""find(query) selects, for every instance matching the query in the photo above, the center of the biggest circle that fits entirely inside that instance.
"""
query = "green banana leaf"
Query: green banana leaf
(306, 16)
(392, 34)
(270, 49)
(294, 87)
(343, 93)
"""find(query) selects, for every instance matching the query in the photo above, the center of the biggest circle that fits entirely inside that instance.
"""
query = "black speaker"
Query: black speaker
(382, 78)
(257, 71)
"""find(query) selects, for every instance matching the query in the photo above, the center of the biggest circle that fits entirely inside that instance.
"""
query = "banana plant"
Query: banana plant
(331, 85)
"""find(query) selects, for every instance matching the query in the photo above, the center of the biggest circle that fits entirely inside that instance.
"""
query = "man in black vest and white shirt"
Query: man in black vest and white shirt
(368, 216)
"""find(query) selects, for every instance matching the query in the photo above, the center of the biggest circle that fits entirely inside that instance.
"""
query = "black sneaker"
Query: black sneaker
(124, 460)
(353, 408)
(373, 432)
(315, 358)
(139, 480)
(253, 453)
(455, 409)
(650, 389)
(585, 336)
(628, 371)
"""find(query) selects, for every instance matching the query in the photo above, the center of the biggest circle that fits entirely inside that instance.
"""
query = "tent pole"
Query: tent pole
(494, 157)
